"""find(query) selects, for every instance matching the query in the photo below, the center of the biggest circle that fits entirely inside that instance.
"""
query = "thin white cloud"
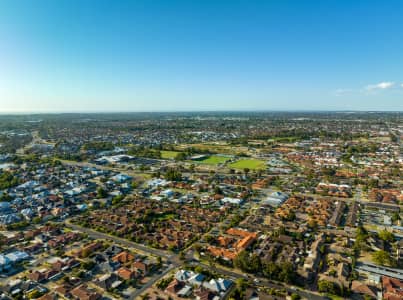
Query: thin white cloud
(341, 92)
(369, 89)
(380, 86)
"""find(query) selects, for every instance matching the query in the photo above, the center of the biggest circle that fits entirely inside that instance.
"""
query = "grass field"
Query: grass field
(169, 154)
(215, 160)
(166, 216)
(252, 164)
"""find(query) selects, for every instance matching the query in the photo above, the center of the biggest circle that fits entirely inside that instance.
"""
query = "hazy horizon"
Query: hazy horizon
(197, 111)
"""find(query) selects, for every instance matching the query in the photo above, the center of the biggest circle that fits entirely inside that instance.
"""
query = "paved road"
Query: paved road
(174, 260)
(351, 200)
(262, 282)
(99, 235)
(132, 173)
(153, 280)
(36, 139)
(121, 168)
(380, 270)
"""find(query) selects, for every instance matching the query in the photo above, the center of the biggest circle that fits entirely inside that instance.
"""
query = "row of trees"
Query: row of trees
(381, 257)
(325, 286)
(173, 175)
(99, 146)
(8, 180)
(145, 152)
(251, 263)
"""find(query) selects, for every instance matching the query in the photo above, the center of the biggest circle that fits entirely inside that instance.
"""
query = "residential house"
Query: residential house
(392, 288)
(83, 293)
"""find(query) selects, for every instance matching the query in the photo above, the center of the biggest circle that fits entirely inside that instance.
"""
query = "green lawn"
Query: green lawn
(334, 297)
(166, 217)
(169, 154)
(252, 164)
(215, 160)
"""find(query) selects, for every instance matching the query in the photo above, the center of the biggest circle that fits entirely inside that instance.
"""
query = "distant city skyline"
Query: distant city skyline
(128, 56)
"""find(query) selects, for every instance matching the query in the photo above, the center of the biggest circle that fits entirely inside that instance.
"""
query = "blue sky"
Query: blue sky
(97, 55)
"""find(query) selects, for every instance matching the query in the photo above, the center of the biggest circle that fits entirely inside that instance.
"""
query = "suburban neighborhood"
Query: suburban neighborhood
(201, 206)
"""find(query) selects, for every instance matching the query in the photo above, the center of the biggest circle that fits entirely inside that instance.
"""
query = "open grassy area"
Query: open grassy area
(215, 160)
(284, 139)
(166, 217)
(252, 164)
(334, 297)
(169, 154)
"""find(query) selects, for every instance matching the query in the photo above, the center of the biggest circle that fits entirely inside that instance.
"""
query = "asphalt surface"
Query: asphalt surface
(262, 282)
(176, 262)
(153, 280)
(99, 235)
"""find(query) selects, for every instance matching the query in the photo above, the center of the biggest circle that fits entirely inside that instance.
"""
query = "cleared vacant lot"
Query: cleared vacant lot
(252, 164)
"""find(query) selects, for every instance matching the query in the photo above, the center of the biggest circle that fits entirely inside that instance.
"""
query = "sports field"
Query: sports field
(252, 164)
(215, 160)
(169, 154)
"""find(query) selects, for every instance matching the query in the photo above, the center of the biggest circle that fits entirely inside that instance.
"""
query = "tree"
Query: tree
(101, 193)
(8, 180)
(241, 283)
(373, 183)
(255, 263)
(209, 238)
(145, 296)
(312, 224)
(36, 220)
(117, 199)
(98, 146)
(180, 156)
(35, 294)
(247, 262)
(173, 175)
(383, 258)
(5, 197)
(295, 296)
(328, 172)
(361, 239)
(395, 217)
(270, 270)
(217, 190)
(88, 265)
(239, 292)
(290, 217)
(386, 236)
(325, 286)
(287, 273)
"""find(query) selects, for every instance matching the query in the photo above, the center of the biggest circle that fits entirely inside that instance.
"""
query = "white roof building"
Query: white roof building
(232, 200)
(17, 256)
(218, 285)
